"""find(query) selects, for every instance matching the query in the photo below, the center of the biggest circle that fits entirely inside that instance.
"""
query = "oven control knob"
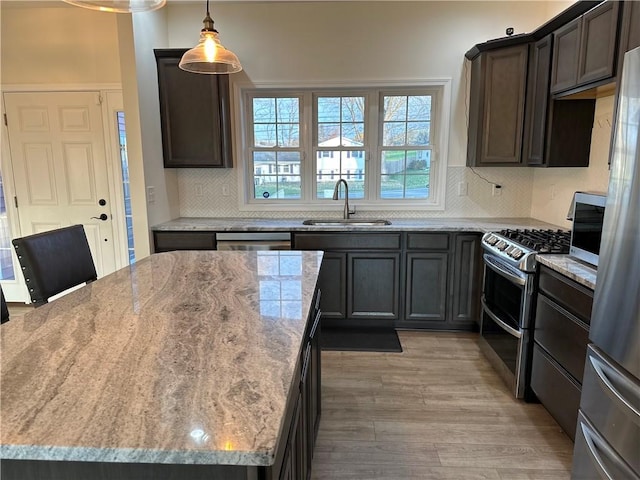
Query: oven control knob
(492, 240)
(502, 245)
(517, 253)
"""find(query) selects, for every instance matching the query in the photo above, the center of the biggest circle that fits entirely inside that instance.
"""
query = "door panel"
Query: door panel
(59, 163)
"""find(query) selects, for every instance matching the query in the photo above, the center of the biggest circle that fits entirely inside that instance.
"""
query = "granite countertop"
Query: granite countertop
(184, 357)
(404, 224)
(570, 267)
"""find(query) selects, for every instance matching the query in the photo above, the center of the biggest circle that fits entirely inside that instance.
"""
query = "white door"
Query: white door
(60, 171)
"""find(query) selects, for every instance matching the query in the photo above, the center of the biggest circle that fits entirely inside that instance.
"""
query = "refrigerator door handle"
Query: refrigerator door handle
(605, 458)
(609, 377)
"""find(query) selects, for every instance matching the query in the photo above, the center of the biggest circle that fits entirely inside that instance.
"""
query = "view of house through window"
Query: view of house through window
(126, 187)
(6, 264)
(299, 144)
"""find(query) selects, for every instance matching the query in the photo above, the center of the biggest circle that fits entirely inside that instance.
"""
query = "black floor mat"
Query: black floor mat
(360, 339)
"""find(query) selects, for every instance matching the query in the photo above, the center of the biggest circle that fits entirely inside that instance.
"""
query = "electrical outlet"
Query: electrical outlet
(198, 191)
(463, 188)
(151, 195)
(496, 190)
(225, 190)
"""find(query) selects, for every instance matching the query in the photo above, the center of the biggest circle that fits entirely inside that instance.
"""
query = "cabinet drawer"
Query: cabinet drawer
(559, 394)
(347, 241)
(167, 241)
(561, 334)
(568, 294)
(427, 241)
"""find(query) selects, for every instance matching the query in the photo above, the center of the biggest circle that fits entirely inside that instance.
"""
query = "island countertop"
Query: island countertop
(182, 358)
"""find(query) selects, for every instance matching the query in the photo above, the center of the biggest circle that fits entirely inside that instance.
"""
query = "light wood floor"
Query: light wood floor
(435, 411)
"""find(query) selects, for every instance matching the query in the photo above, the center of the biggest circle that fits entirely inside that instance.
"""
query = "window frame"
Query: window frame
(439, 88)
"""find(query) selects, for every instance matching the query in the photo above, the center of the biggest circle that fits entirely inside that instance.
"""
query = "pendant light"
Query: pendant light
(209, 56)
(119, 6)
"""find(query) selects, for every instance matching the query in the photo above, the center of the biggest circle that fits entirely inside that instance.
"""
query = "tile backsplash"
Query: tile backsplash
(214, 193)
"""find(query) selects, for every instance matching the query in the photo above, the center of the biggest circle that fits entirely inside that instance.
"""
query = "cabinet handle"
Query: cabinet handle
(609, 377)
(316, 322)
(603, 454)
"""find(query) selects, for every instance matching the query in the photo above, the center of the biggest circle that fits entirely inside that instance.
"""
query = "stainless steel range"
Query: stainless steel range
(507, 297)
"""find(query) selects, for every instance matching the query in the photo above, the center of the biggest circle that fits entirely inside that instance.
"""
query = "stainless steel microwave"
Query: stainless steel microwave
(586, 234)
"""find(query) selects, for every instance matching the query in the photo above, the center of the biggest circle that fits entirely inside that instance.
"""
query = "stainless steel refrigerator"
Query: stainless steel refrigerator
(608, 432)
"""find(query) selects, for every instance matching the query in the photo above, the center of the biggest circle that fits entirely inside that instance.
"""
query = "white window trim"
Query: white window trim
(438, 165)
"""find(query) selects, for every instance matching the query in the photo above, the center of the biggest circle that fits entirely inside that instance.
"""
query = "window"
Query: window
(389, 144)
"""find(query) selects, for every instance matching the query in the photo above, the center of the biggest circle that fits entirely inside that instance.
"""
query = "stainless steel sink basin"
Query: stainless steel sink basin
(356, 222)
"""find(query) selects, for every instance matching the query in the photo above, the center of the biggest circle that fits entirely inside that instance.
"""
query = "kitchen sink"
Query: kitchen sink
(357, 222)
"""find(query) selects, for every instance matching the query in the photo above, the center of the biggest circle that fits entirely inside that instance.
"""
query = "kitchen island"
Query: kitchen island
(183, 365)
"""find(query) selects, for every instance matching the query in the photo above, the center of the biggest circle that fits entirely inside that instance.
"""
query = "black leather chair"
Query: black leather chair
(54, 261)
(5, 311)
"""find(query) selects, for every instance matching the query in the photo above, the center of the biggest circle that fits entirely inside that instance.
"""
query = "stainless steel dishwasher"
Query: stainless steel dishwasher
(253, 241)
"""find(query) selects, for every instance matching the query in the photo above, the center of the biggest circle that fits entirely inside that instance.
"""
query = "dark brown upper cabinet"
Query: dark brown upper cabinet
(584, 49)
(194, 115)
(557, 133)
(496, 109)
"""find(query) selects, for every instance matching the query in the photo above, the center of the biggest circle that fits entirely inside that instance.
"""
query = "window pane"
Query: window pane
(353, 109)
(264, 135)
(349, 165)
(405, 174)
(288, 110)
(394, 134)
(395, 108)
(419, 107)
(328, 134)
(418, 133)
(393, 161)
(288, 134)
(264, 110)
(276, 175)
(352, 134)
(328, 109)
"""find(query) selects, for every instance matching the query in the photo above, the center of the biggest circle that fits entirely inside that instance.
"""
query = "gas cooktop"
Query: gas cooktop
(519, 247)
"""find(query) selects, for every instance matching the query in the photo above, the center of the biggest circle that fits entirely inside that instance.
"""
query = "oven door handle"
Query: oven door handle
(507, 328)
(496, 267)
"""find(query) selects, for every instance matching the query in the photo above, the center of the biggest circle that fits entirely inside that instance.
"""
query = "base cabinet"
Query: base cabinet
(561, 335)
(402, 280)
(294, 456)
(359, 278)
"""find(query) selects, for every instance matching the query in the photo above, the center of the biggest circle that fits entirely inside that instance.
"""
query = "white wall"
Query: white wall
(553, 188)
(359, 42)
(57, 46)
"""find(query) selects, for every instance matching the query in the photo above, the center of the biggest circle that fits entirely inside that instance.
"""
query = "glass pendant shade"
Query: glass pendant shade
(210, 56)
(119, 6)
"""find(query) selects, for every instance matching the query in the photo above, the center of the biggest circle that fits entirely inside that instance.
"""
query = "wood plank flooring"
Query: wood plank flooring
(435, 411)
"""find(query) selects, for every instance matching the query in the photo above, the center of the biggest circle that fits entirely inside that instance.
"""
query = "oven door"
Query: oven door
(506, 302)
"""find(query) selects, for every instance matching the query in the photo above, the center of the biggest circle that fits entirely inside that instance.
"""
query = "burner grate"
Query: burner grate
(542, 241)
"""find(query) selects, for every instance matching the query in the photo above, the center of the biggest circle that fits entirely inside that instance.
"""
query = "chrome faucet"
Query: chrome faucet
(336, 196)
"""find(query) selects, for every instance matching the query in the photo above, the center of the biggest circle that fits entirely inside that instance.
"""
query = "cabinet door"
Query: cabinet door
(466, 281)
(426, 287)
(537, 101)
(496, 114)
(566, 50)
(373, 286)
(194, 115)
(598, 43)
(630, 34)
(332, 282)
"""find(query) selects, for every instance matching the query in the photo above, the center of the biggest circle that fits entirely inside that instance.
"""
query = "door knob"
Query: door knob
(103, 216)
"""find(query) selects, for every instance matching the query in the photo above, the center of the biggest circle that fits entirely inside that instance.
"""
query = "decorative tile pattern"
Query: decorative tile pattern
(201, 195)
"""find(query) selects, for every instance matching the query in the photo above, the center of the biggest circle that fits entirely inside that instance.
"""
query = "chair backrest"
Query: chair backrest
(5, 311)
(54, 261)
